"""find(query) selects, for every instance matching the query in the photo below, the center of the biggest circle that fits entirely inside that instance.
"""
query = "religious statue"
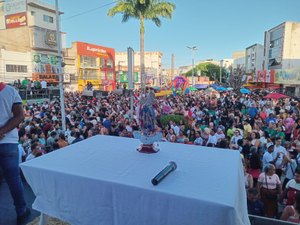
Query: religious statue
(148, 134)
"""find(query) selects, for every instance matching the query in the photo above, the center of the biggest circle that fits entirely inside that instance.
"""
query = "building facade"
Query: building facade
(153, 68)
(89, 63)
(282, 55)
(32, 23)
(254, 58)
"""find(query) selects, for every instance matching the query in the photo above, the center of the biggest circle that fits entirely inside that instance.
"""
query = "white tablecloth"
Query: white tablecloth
(105, 181)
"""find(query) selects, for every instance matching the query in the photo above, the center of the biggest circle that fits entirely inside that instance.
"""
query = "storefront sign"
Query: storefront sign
(291, 76)
(15, 20)
(45, 67)
(50, 38)
(124, 77)
(95, 50)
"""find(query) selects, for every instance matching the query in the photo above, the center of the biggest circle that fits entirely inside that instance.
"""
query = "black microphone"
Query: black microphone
(162, 174)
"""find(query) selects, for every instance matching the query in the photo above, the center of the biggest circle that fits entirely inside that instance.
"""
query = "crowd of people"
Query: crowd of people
(265, 131)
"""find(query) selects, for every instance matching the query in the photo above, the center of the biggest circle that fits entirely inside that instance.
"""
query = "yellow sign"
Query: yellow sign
(163, 93)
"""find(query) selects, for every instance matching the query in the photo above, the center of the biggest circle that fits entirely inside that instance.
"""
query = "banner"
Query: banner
(15, 20)
(45, 67)
(124, 77)
(289, 76)
(264, 76)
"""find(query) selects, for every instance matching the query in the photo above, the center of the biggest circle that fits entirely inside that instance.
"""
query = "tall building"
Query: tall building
(238, 59)
(153, 68)
(92, 63)
(282, 46)
(28, 41)
(282, 55)
(254, 58)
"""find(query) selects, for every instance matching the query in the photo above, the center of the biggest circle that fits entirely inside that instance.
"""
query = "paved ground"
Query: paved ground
(7, 212)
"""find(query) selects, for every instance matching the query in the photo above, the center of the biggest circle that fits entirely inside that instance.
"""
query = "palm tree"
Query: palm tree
(143, 10)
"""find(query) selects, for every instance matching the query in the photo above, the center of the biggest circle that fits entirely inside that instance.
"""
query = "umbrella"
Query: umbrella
(155, 88)
(193, 89)
(209, 90)
(245, 91)
(221, 88)
(276, 96)
(200, 86)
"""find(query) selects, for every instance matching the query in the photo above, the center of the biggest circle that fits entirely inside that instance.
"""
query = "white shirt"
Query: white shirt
(212, 139)
(8, 97)
(176, 129)
(282, 150)
(43, 84)
(220, 136)
(267, 158)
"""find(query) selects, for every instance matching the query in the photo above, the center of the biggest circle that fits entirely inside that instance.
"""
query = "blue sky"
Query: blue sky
(216, 27)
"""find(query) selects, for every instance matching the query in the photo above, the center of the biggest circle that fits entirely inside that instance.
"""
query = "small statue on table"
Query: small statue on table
(148, 134)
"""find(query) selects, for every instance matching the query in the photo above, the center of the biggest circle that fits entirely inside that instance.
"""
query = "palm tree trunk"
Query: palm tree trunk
(142, 54)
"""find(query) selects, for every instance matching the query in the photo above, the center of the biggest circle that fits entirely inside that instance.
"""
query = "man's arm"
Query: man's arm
(18, 117)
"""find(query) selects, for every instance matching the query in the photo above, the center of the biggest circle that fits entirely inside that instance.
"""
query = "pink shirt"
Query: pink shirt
(273, 181)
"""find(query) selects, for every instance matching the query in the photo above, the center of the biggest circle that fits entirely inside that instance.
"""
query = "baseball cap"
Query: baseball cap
(270, 144)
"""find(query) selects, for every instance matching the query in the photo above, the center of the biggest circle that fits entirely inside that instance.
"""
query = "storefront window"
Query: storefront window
(88, 62)
(109, 63)
(102, 63)
(102, 75)
(89, 74)
(110, 75)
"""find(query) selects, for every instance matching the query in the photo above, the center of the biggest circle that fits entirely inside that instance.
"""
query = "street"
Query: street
(7, 212)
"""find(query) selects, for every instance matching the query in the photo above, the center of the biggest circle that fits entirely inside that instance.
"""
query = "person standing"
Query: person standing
(269, 186)
(10, 117)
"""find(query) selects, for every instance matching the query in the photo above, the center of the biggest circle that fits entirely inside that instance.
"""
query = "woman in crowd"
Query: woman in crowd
(269, 186)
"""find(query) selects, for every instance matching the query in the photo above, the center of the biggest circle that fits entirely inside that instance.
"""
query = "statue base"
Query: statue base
(148, 145)
(149, 149)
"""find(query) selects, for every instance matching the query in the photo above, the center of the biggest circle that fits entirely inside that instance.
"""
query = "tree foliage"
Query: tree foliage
(237, 79)
(208, 69)
(175, 118)
(143, 10)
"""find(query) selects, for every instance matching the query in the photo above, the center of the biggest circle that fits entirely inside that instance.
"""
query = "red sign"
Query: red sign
(95, 50)
(265, 76)
(16, 20)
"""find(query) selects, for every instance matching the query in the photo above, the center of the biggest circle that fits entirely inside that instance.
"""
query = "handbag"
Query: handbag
(270, 195)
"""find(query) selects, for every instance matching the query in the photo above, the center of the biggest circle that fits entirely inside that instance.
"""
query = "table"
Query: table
(104, 180)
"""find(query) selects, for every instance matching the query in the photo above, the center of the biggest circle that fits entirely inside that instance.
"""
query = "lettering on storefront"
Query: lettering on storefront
(16, 20)
(99, 50)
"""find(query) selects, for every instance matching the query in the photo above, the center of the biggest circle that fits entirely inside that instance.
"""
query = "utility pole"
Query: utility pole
(60, 76)
(172, 66)
(193, 49)
(221, 64)
(130, 60)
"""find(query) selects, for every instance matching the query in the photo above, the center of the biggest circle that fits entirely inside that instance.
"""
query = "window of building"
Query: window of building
(89, 74)
(109, 63)
(88, 62)
(102, 75)
(48, 19)
(32, 13)
(16, 68)
(110, 75)
(102, 63)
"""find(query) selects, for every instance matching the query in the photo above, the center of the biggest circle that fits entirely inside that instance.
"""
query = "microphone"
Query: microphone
(162, 174)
